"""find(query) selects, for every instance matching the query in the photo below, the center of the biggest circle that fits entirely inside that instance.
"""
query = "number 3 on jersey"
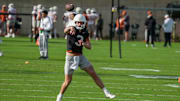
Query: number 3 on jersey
(80, 40)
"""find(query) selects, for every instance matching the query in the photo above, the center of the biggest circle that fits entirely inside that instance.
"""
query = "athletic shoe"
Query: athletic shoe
(7, 36)
(1, 54)
(13, 35)
(45, 58)
(111, 96)
(41, 57)
(147, 45)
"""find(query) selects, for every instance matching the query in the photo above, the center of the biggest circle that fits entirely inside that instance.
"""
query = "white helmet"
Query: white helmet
(39, 6)
(78, 10)
(34, 8)
(51, 9)
(11, 5)
(93, 10)
(80, 18)
(43, 8)
(55, 8)
(88, 11)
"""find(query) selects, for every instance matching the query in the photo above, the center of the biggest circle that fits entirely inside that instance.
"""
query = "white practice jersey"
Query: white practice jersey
(46, 23)
(168, 25)
(12, 10)
(51, 16)
(54, 16)
(67, 19)
(92, 18)
(34, 16)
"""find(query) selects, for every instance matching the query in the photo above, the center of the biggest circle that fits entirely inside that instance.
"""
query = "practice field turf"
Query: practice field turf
(142, 74)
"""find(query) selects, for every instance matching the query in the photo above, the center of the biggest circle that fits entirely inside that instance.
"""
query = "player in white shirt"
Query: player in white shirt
(168, 29)
(50, 14)
(92, 16)
(11, 20)
(34, 21)
(68, 15)
(45, 28)
(55, 17)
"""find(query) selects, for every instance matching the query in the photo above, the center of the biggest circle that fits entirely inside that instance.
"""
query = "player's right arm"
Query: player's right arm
(70, 30)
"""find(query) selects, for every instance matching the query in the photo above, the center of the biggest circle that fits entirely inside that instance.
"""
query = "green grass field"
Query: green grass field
(142, 74)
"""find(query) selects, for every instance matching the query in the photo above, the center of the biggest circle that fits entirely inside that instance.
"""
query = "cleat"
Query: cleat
(111, 96)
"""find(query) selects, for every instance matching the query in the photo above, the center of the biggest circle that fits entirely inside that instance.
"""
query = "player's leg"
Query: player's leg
(64, 86)
(41, 46)
(90, 70)
(86, 66)
(46, 45)
(68, 76)
(8, 29)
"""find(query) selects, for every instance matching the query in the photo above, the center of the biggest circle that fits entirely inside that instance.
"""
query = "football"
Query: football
(69, 7)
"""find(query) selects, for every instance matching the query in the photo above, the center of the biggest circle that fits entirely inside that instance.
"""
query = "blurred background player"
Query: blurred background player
(126, 24)
(168, 29)
(11, 21)
(38, 20)
(92, 17)
(50, 15)
(3, 20)
(34, 23)
(68, 15)
(120, 25)
(55, 18)
(99, 27)
(53, 15)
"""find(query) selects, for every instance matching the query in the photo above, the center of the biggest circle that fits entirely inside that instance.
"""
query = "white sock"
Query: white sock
(59, 97)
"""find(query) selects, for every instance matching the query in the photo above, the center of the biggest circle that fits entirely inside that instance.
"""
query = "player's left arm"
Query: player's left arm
(87, 43)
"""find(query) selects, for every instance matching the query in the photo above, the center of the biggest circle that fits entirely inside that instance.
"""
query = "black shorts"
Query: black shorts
(126, 28)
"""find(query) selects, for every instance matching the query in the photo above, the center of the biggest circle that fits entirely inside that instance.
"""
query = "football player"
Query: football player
(77, 38)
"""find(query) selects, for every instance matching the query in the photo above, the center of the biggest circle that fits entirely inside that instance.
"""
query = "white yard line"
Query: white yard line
(79, 86)
(173, 85)
(53, 97)
(154, 77)
(74, 82)
(26, 90)
(134, 94)
(129, 69)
